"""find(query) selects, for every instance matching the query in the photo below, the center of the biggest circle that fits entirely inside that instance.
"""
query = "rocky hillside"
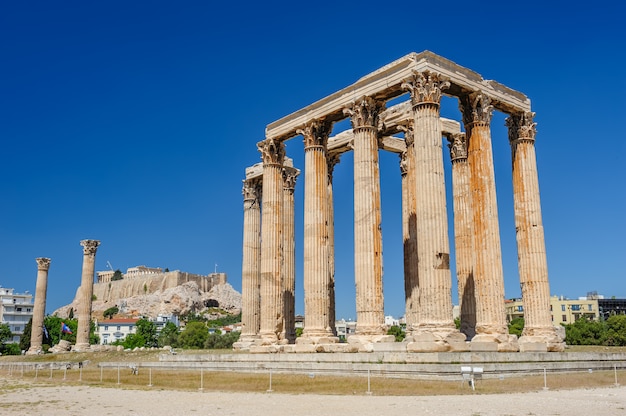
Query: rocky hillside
(179, 300)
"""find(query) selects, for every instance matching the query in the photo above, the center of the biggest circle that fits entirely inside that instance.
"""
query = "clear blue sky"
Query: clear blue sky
(132, 123)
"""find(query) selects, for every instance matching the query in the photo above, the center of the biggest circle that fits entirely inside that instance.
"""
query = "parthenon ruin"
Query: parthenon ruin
(415, 131)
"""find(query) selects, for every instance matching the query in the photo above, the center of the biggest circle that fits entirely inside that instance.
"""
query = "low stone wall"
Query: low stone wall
(396, 365)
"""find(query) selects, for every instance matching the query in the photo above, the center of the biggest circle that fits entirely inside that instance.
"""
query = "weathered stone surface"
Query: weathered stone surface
(533, 347)
(483, 346)
(434, 346)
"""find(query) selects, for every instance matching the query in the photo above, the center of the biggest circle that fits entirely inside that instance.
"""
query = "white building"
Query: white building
(111, 330)
(16, 311)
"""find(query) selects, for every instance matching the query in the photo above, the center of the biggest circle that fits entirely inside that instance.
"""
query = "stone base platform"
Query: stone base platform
(433, 365)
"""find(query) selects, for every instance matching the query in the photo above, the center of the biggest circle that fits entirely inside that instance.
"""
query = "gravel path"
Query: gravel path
(32, 399)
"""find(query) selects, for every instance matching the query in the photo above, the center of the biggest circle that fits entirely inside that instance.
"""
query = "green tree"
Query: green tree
(615, 330)
(397, 332)
(25, 338)
(147, 330)
(112, 311)
(5, 333)
(221, 341)
(169, 335)
(299, 332)
(117, 275)
(223, 321)
(193, 336)
(585, 332)
(131, 341)
(516, 326)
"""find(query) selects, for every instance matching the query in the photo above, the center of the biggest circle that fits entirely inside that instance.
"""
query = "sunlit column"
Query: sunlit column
(290, 175)
(251, 265)
(463, 232)
(488, 276)
(36, 332)
(531, 247)
(433, 248)
(86, 293)
(273, 154)
(368, 250)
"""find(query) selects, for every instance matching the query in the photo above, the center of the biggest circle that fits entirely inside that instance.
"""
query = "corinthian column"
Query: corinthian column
(289, 250)
(409, 232)
(488, 276)
(368, 250)
(86, 293)
(36, 332)
(539, 333)
(435, 330)
(251, 267)
(463, 232)
(317, 274)
(273, 154)
(332, 161)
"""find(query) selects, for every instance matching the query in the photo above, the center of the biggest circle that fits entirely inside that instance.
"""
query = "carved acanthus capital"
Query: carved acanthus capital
(364, 113)
(425, 87)
(289, 178)
(272, 152)
(252, 190)
(315, 133)
(476, 109)
(90, 247)
(404, 163)
(457, 146)
(521, 127)
(43, 263)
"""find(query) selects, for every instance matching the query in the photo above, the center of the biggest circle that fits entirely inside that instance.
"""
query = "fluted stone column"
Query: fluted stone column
(368, 250)
(317, 273)
(409, 232)
(539, 333)
(39, 310)
(86, 293)
(435, 330)
(463, 233)
(289, 251)
(251, 267)
(491, 324)
(273, 154)
(332, 161)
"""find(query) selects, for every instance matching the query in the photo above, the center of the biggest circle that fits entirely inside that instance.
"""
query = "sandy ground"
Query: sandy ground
(31, 399)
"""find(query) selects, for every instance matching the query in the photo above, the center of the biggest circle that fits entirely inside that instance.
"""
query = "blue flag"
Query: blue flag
(45, 332)
(65, 329)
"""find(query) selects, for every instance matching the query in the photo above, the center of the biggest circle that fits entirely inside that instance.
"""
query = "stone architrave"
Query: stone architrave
(532, 261)
(368, 250)
(251, 264)
(409, 231)
(491, 324)
(317, 273)
(272, 321)
(86, 293)
(289, 250)
(463, 233)
(435, 330)
(36, 333)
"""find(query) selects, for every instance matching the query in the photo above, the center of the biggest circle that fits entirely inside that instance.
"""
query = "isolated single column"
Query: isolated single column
(86, 293)
(39, 310)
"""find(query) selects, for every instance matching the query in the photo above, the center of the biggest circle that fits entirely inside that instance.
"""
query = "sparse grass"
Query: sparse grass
(191, 379)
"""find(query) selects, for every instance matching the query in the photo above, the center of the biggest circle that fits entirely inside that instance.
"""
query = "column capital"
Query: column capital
(289, 178)
(457, 146)
(272, 152)
(43, 263)
(90, 246)
(425, 87)
(364, 113)
(332, 161)
(252, 189)
(521, 127)
(476, 109)
(315, 133)
(409, 136)
(403, 163)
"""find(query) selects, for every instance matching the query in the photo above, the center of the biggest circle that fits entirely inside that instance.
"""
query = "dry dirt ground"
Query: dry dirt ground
(40, 399)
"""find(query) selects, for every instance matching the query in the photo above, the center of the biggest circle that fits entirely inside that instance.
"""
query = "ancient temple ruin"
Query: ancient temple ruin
(268, 244)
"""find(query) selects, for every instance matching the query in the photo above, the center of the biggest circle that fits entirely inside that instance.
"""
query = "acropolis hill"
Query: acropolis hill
(145, 291)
